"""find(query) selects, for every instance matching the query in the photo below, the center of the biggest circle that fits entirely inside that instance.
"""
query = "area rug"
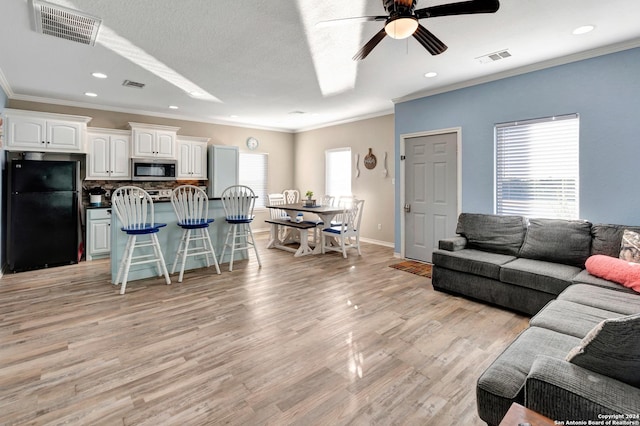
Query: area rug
(418, 268)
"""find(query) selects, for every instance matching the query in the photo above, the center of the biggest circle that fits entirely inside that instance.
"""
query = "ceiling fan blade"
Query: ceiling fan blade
(460, 8)
(429, 41)
(342, 21)
(367, 48)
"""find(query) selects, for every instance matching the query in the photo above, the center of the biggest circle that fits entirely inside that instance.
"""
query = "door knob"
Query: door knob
(407, 208)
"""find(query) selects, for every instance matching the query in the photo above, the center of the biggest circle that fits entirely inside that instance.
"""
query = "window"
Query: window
(253, 173)
(537, 167)
(338, 172)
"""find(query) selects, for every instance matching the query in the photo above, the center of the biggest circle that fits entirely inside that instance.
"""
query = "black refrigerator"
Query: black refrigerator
(42, 214)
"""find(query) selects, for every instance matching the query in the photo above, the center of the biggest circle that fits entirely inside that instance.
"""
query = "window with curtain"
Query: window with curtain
(338, 172)
(537, 167)
(253, 173)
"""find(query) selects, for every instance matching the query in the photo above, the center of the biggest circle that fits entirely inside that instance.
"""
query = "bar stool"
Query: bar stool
(238, 202)
(191, 205)
(134, 208)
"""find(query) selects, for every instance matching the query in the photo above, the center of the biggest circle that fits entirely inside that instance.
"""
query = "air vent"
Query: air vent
(135, 84)
(492, 57)
(69, 24)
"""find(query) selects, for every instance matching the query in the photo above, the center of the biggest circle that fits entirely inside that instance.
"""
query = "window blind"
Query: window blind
(253, 173)
(338, 172)
(537, 171)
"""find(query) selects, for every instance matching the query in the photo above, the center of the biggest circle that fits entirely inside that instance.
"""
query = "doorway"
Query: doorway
(431, 191)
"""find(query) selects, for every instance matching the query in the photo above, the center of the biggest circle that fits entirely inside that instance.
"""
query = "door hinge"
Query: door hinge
(403, 157)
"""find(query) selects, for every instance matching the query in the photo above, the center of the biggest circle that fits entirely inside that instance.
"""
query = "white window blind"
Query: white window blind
(338, 172)
(253, 173)
(537, 167)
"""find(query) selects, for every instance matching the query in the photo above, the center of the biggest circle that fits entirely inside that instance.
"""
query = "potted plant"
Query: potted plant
(309, 201)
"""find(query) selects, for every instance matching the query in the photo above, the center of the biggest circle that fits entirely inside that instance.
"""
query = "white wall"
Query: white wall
(377, 190)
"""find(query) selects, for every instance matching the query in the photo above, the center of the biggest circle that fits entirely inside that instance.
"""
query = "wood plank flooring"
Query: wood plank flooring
(318, 340)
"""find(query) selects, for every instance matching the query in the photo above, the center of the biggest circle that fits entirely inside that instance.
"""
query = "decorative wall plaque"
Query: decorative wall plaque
(370, 160)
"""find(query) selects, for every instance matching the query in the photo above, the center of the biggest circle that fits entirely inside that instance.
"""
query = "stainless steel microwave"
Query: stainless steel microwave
(153, 169)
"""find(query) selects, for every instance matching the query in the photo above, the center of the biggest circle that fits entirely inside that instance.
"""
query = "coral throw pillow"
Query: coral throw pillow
(616, 270)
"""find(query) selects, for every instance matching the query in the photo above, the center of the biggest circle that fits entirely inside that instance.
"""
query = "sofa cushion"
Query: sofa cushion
(472, 261)
(570, 318)
(502, 383)
(607, 239)
(616, 270)
(626, 303)
(585, 277)
(558, 240)
(494, 233)
(612, 348)
(539, 275)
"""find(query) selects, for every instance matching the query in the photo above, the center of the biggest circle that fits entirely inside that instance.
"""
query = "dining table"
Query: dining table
(326, 214)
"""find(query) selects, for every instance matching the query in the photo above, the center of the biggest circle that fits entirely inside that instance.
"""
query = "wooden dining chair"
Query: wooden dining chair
(134, 208)
(238, 202)
(191, 205)
(347, 233)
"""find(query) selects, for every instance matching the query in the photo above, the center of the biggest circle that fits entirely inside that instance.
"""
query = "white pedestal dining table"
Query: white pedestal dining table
(324, 213)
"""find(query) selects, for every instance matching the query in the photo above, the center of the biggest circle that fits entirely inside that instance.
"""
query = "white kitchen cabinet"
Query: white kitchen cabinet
(98, 233)
(192, 157)
(108, 154)
(224, 168)
(45, 132)
(153, 141)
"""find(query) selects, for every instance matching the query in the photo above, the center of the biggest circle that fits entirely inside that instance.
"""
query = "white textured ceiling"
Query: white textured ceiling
(266, 64)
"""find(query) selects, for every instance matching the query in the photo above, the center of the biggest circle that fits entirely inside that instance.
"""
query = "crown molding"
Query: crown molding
(563, 60)
(4, 84)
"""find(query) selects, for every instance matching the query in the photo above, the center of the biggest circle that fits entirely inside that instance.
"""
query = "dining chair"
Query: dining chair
(238, 202)
(277, 199)
(345, 231)
(292, 196)
(191, 205)
(134, 208)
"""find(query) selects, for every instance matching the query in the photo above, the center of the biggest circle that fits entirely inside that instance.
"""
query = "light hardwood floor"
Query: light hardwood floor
(313, 340)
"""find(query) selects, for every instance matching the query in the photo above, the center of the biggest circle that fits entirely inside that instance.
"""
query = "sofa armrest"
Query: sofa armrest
(564, 391)
(453, 243)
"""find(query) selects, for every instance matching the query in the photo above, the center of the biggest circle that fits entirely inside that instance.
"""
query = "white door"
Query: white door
(98, 158)
(431, 187)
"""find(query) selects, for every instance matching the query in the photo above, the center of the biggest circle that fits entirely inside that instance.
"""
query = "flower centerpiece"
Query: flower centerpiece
(309, 202)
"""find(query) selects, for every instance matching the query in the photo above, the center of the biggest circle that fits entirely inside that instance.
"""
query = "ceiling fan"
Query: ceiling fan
(402, 22)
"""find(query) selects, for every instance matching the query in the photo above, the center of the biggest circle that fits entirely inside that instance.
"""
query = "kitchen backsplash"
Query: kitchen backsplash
(112, 185)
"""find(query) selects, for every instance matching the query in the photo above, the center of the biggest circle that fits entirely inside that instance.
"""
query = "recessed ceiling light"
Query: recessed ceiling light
(234, 116)
(173, 107)
(93, 95)
(196, 94)
(99, 75)
(431, 74)
(583, 30)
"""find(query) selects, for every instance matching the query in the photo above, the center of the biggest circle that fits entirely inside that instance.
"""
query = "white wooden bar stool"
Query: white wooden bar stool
(134, 208)
(191, 205)
(238, 202)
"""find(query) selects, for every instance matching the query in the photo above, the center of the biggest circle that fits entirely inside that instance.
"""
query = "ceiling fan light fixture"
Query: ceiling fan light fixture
(401, 27)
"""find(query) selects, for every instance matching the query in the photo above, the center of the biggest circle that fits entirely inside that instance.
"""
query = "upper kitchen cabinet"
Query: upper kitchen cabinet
(108, 153)
(153, 141)
(192, 158)
(48, 132)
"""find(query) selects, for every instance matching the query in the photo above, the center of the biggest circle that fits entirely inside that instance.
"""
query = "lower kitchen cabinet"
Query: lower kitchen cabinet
(98, 233)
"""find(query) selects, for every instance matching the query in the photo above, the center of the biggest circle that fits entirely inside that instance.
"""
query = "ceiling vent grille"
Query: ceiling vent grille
(68, 24)
(129, 83)
(495, 56)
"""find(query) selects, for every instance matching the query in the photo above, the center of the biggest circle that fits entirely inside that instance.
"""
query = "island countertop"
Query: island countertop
(169, 238)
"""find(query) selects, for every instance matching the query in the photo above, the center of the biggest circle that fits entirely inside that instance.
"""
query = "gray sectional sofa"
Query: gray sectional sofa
(579, 359)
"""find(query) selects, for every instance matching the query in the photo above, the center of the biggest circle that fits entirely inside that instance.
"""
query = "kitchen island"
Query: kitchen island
(169, 238)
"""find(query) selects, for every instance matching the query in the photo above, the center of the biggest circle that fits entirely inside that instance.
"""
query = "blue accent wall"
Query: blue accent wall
(604, 91)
